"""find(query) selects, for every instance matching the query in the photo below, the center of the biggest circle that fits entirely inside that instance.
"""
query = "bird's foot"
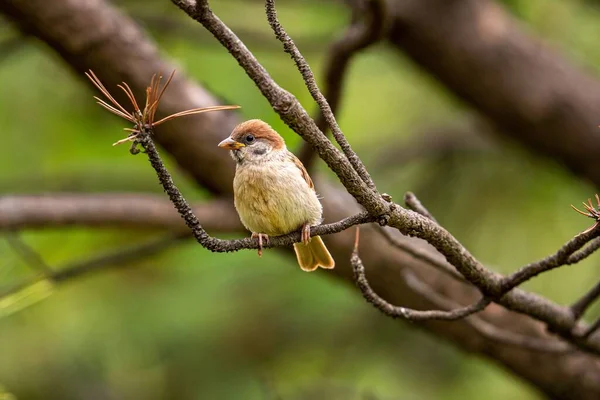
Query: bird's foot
(260, 237)
(305, 234)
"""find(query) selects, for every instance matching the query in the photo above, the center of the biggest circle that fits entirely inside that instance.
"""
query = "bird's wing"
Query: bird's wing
(303, 170)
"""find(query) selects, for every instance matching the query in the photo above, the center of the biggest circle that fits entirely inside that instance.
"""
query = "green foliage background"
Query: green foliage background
(189, 324)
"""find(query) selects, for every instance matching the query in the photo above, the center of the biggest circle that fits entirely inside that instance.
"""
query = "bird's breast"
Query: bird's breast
(274, 200)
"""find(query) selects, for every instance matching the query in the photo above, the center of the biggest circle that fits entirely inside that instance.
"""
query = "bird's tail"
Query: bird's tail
(313, 255)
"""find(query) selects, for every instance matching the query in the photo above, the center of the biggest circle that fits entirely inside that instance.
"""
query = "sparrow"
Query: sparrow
(273, 193)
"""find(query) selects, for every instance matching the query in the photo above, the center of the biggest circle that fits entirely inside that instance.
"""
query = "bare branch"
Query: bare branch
(558, 259)
(482, 326)
(592, 329)
(414, 204)
(366, 29)
(580, 306)
(29, 255)
(311, 83)
(109, 260)
(421, 254)
(112, 210)
(403, 312)
(584, 253)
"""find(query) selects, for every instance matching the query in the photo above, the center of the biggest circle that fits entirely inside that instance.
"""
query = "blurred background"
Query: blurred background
(189, 324)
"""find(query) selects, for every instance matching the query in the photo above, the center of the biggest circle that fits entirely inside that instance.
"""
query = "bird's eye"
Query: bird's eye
(249, 138)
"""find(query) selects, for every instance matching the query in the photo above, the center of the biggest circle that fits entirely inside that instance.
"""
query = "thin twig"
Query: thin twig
(485, 328)
(580, 306)
(366, 29)
(28, 254)
(420, 254)
(584, 253)
(111, 259)
(415, 204)
(403, 312)
(311, 84)
(558, 259)
(592, 329)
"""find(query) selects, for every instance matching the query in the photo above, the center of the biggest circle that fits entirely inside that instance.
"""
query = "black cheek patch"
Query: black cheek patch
(259, 151)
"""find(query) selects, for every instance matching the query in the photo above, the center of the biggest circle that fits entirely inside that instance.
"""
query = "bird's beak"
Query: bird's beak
(230, 144)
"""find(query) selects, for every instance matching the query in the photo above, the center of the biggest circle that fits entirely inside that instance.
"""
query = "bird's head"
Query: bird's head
(253, 140)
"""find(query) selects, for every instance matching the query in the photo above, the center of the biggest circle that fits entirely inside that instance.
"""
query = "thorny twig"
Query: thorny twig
(591, 213)
(366, 28)
(143, 118)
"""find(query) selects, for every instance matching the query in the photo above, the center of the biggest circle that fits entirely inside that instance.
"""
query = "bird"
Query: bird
(273, 193)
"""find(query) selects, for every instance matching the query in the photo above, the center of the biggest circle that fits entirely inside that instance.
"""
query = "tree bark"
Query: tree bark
(93, 34)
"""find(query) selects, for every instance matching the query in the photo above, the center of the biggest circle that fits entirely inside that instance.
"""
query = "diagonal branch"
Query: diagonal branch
(366, 29)
(580, 306)
(404, 312)
(30, 256)
(415, 204)
(482, 326)
(421, 254)
(110, 259)
(311, 83)
(567, 254)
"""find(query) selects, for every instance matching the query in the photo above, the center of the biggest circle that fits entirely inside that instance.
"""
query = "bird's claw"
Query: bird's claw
(260, 237)
(305, 234)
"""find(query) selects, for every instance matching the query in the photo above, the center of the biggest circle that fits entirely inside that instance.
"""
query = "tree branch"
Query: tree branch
(109, 210)
(311, 83)
(562, 257)
(404, 312)
(30, 256)
(367, 27)
(485, 328)
(110, 259)
(415, 204)
(580, 306)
